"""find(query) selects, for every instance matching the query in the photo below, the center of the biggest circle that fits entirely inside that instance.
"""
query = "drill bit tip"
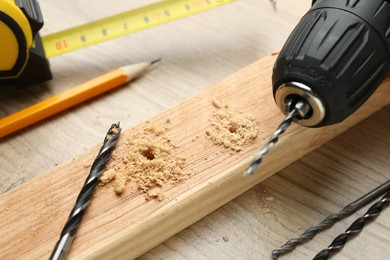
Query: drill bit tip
(301, 108)
(257, 160)
(251, 170)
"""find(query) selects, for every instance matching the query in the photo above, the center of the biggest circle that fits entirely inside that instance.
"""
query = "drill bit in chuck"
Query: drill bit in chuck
(85, 194)
(299, 109)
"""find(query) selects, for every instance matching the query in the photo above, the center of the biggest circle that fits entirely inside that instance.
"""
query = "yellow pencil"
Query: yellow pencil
(71, 97)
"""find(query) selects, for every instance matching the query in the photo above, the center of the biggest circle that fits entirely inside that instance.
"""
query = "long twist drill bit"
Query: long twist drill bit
(354, 229)
(301, 108)
(85, 194)
(331, 220)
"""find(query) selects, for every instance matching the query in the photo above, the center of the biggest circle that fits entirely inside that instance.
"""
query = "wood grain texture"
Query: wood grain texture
(196, 52)
(124, 227)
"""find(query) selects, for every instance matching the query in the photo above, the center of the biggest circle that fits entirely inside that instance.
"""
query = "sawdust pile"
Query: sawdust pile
(233, 130)
(146, 164)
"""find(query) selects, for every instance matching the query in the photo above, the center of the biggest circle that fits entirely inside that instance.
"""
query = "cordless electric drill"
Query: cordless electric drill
(334, 59)
(332, 62)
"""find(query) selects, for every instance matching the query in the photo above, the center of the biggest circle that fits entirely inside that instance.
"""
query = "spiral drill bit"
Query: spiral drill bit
(301, 108)
(85, 194)
(331, 220)
(354, 229)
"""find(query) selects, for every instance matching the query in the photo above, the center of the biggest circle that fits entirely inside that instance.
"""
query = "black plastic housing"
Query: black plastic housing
(341, 50)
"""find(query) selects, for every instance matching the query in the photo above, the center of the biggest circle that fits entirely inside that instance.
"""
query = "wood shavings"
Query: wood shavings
(120, 182)
(107, 176)
(216, 104)
(233, 130)
(156, 130)
(146, 163)
(155, 194)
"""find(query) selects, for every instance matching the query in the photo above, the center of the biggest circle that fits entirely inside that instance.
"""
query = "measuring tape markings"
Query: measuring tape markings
(124, 23)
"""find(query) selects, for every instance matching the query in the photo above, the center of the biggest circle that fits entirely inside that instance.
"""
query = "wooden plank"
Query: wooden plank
(115, 227)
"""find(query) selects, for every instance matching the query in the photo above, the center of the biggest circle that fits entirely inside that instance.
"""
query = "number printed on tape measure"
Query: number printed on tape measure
(123, 24)
(61, 45)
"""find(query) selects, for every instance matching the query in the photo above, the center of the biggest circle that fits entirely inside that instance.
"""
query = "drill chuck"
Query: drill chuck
(334, 59)
(288, 94)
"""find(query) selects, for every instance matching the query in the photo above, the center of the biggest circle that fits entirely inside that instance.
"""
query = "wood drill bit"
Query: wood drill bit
(85, 194)
(331, 220)
(301, 108)
(355, 228)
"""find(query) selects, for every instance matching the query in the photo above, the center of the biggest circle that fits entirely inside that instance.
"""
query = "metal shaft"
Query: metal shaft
(301, 108)
(331, 220)
(354, 229)
(85, 194)
(272, 141)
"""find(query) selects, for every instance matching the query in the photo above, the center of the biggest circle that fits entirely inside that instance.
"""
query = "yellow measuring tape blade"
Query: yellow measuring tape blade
(123, 24)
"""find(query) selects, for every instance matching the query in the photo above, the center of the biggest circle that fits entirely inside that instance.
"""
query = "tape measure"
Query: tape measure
(124, 23)
(18, 25)
(24, 53)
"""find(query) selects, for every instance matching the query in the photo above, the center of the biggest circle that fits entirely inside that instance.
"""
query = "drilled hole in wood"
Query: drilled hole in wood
(232, 129)
(148, 152)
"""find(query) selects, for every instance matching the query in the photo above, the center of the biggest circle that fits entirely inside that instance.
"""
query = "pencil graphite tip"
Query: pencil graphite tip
(155, 61)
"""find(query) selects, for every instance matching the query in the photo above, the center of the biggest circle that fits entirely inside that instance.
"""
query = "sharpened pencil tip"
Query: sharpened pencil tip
(155, 61)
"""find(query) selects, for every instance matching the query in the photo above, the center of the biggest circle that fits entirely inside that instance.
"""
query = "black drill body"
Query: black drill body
(340, 50)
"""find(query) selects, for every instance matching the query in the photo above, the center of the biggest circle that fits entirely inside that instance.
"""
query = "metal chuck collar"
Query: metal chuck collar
(311, 110)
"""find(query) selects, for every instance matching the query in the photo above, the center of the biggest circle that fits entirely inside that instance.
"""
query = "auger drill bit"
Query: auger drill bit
(85, 194)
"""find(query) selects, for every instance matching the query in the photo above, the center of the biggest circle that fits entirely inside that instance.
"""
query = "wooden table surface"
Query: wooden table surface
(196, 52)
